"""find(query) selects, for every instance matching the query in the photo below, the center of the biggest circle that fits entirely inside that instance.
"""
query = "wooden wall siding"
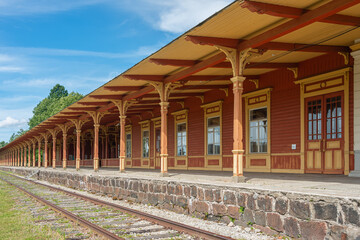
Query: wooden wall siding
(285, 162)
(321, 64)
(171, 162)
(258, 162)
(227, 162)
(136, 142)
(197, 162)
(195, 128)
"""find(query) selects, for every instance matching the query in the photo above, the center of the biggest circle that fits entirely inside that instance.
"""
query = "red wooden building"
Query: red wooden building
(261, 86)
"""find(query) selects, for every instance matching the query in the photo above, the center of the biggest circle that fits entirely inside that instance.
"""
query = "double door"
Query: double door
(324, 138)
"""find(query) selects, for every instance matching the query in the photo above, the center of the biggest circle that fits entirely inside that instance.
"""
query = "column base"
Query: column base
(164, 174)
(238, 179)
(355, 173)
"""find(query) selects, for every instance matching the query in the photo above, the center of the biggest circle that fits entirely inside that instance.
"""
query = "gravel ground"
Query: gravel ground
(236, 232)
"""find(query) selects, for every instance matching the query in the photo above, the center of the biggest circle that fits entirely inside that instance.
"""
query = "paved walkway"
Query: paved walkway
(314, 184)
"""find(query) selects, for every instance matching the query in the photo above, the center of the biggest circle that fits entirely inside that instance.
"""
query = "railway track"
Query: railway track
(111, 221)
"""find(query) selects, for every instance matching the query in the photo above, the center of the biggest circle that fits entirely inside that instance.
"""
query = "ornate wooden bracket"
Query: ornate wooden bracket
(182, 104)
(295, 71)
(78, 123)
(164, 89)
(346, 56)
(64, 128)
(123, 106)
(201, 98)
(226, 91)
(96, 116)
(255, 81)
(54, 132)
(238, 59)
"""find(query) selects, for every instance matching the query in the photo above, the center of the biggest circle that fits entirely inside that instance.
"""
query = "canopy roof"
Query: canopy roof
(285, 32)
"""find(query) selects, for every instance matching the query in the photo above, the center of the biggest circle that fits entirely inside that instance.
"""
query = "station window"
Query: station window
(128, 145)
(258, 130)
(145, 144)
(181, 139)
(213, 136)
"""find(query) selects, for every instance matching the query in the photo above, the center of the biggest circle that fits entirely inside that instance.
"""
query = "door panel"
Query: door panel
(324, 141)
(314, 137)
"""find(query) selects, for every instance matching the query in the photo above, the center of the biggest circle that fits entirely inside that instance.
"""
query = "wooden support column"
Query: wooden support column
(123, 107)
(97, 116)
(53, 133)
(27, 155)
(18, 157)
(46, 153)
(39, 151)
(106, 145)
(163, 149)
(164, 90)
(78, 125)
(34, 146)
(238, 60)
(64, 128)
(21, 156)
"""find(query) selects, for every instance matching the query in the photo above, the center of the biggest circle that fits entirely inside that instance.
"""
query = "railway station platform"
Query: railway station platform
(306, 206)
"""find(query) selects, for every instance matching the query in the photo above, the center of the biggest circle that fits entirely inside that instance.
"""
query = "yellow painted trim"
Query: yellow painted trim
(285, 154)
(345, 88)
(176, 122)
(128, 130)
(196, 156)
(206, 117)
(143, 129)
(155, 119)
(257, 92)
(212, 104)
(324, 76)
(248, 156)
(287, 171)
(257, 169)
(355, 47)
(183, 111)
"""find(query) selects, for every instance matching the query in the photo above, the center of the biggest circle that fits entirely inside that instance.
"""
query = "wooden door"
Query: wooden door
(157, 147)
(324, 134)
(333, 144)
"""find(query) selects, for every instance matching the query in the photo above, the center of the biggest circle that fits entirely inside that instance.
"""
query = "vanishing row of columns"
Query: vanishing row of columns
(238, 61)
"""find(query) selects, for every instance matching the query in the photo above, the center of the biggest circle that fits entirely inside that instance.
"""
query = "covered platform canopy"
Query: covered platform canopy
(241, 42)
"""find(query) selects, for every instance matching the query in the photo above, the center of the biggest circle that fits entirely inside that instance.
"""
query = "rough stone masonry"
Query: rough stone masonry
(297, 215)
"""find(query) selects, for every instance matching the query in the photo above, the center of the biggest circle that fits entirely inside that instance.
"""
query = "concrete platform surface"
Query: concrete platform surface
(314, 184)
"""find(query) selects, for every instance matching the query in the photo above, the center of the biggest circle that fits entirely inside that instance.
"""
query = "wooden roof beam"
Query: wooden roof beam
(305, 19)
(292, 12)
(280, 46)
(174, 95)
(108, 97)
(122, 88)
(228, 65)
(93, 103)
(218, 58)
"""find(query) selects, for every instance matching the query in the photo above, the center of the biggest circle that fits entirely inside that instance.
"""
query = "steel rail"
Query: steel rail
(103, 232)
(149, 217)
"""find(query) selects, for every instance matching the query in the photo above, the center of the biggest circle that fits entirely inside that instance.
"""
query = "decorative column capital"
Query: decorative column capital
(97, 125)
(78, 131)
(164, 106)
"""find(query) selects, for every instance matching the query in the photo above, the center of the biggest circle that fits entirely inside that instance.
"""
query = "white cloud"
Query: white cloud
(141, 51)
(9, 122)
(28, 7)
(175, 16)
(12, 69)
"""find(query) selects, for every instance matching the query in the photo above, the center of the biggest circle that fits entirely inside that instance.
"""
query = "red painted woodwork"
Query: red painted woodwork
(285, 162)
(292, 12)
(258, 162)
(181, 162)
(305, 19)
(213, 162)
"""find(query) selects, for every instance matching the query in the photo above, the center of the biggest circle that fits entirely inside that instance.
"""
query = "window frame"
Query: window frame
(258, 127)
(213, 136)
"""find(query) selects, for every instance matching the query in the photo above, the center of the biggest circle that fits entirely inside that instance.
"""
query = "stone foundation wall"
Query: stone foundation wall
(296, 215)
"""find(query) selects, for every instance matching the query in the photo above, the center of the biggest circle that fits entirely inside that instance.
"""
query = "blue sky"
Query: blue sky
(80, 44)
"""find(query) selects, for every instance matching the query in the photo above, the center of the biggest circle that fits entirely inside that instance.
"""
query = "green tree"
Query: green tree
(2, 144)
(58, 91)
(58, 99)
(17, 134)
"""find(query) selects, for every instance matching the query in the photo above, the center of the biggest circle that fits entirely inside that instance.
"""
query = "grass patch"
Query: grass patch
(17, 224)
